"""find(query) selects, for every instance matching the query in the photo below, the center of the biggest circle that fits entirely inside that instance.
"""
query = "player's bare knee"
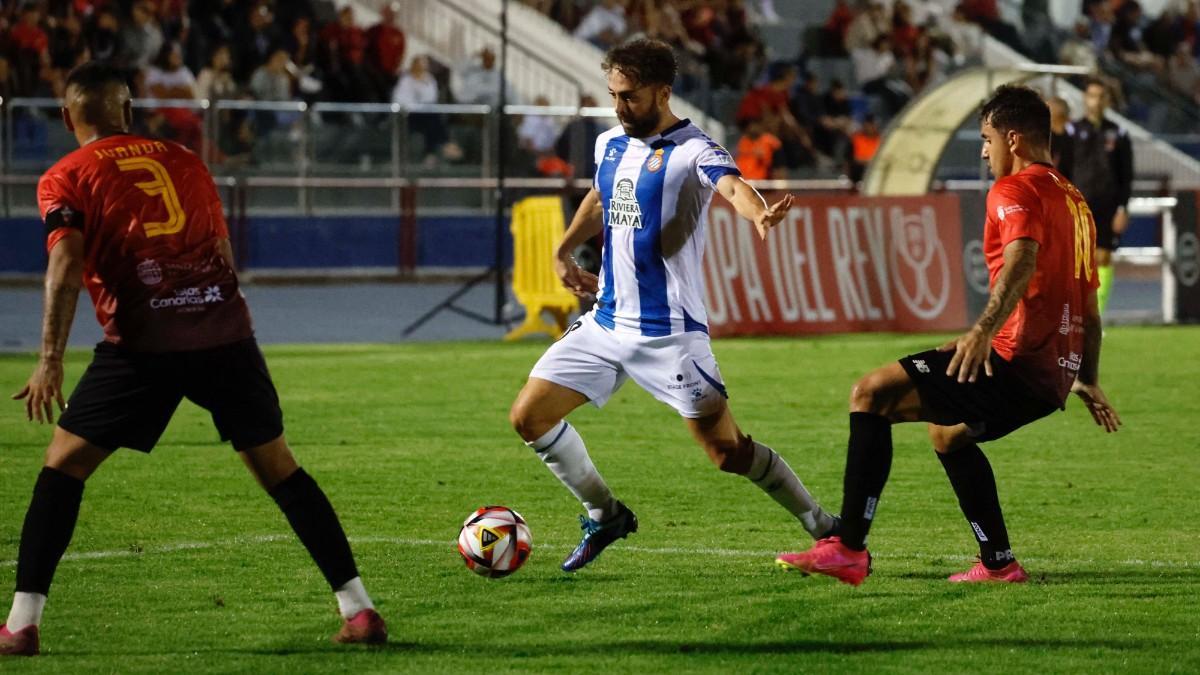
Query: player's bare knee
(865, 395)
(526, 422)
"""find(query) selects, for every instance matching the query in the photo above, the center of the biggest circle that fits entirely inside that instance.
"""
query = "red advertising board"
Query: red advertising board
(838, 264)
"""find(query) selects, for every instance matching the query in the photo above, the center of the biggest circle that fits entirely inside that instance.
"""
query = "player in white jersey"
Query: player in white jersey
(655, 175)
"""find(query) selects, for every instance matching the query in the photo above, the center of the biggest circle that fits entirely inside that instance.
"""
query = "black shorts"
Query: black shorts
(1105, 237)
(992, 407)
(125, 399)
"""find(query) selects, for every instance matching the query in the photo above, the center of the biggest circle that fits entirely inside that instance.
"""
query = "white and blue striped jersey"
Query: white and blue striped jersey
(655, 192)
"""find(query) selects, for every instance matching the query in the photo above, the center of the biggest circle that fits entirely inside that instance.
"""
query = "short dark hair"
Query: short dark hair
(644, 61)
(94, 77)
(1014, 107)
(1094, 81)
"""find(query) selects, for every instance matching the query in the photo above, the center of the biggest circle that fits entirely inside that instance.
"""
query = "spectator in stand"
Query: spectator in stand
(141, 38)
(68, 48)
(1183, 73)
(867, 27)
(415, 88)
(536, 136)
(1126, 41)
(103, 36)
(1060, 132)
(833, 33)
(257, 38)
(877, 73)
(965, 36)
(865, 143)
(577, 143)
(347, 72)
(1100, 23)
(300, 44)
(756, 151)
(271, 81)
(479, 81)
(215, 82)
(8, 81)
(1078, 49)
(769, 103)
(836, 123)
(986, 13)
(904, 32)
(30, 48)
(605, 25)
(929, 64)
(536, 133)
(168, 78)
(385, 48)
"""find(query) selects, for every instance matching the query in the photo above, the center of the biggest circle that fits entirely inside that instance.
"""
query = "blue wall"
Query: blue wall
(297, 242)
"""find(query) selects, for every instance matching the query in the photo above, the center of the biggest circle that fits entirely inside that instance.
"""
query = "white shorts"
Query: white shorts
(679, 370)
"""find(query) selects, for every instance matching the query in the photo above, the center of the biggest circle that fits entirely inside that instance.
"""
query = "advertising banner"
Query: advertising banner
(838, 264)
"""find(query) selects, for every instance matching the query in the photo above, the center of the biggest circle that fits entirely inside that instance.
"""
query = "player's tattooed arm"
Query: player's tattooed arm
(750, 204)
(64, 277)
(1087, 381)
(586, 223)
(972, 349)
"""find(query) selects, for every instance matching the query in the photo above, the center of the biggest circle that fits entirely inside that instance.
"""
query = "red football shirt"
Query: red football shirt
(1044, 334)
(152, 222)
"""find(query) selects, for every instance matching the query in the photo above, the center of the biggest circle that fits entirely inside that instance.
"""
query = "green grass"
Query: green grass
(407, 440)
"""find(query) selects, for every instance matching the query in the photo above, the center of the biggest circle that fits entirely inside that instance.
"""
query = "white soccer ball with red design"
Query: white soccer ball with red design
(494, 541)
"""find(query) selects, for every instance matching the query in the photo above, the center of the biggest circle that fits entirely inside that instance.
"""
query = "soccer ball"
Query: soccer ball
(494, 541)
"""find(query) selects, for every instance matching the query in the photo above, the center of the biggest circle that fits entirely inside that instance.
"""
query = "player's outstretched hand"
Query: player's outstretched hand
(576, 279)
(42, 391)
(971, 350)
(1097, 404)
(771, 217)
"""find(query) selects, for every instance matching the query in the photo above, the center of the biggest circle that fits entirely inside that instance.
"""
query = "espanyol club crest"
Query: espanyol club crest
(655, 162)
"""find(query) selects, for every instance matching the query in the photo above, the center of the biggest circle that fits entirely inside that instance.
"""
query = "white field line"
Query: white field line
(132, 552)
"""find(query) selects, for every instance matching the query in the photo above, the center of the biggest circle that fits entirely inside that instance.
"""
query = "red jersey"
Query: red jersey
(1044, 334)
(152, 223)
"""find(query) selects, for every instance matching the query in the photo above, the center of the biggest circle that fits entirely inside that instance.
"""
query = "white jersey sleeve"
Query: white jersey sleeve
(713, 163)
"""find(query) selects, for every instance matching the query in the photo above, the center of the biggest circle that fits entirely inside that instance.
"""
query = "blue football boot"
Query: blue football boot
(597, 536)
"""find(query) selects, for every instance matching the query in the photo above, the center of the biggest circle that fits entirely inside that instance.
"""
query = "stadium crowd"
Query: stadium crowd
(795, 119)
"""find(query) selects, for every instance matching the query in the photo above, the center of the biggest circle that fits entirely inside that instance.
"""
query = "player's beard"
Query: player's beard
(640, 127)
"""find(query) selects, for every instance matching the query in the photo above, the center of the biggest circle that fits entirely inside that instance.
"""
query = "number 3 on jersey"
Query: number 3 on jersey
(1084, 244)
(160, 186)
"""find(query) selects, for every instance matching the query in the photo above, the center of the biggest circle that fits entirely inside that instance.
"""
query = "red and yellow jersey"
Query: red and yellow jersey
(152, 223)
(1044, 334)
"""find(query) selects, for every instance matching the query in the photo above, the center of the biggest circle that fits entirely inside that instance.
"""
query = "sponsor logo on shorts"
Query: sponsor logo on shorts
(1071, 362)
(149, 272)
(575, 326)
(189, 296)
(921, 366)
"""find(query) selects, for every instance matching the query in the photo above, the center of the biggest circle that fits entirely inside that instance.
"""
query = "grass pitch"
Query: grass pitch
(180, 563)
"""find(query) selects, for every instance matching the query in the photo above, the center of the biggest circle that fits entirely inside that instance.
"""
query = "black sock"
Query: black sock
(315, 523)
(49, 524)
(868, 462)
(971, 475)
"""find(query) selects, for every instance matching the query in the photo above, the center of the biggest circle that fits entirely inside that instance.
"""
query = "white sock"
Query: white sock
(26, 610)
(352, 598)
(563, 451)
(771, 473)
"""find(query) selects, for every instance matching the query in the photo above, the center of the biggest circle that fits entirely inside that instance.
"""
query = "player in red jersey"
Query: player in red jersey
(138, 221)
(1037, 340)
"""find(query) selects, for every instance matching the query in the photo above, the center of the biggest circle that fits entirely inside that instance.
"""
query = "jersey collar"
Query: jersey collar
(656, 140)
